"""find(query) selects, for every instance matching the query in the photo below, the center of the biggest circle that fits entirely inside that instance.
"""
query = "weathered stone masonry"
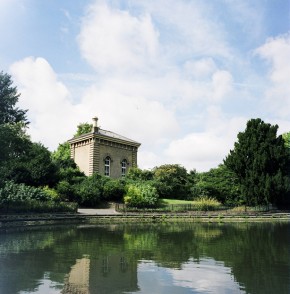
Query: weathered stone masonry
(93, 151)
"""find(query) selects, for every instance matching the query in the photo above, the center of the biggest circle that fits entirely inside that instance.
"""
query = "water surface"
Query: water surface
(152, 258)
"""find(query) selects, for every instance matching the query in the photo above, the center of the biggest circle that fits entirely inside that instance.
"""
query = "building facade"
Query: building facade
(104, 152)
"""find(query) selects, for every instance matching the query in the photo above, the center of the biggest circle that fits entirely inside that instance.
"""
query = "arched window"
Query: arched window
(107, 166)
(123, 167)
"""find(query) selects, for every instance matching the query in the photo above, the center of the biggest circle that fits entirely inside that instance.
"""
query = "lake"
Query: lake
(147, 258)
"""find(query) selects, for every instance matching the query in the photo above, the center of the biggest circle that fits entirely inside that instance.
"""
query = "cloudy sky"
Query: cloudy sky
(181, 77)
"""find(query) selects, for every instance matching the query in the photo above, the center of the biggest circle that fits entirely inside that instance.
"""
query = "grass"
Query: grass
(174, 201)
(200, 204)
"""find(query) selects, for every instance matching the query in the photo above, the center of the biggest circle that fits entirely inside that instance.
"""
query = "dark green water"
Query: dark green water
(153, 258)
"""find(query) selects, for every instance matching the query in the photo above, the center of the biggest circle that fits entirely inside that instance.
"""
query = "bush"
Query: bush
(114, 190)
(206, 203)
(21, 198)
(171, 181)
(12, 192)
(89, 192)
(141, 195)
(51, 194)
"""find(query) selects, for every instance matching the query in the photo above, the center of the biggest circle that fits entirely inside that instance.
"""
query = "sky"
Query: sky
(180, 77)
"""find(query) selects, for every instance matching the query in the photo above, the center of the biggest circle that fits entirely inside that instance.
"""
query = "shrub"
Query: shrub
(171, 181)
(206, 203)
(114, 190)
(89, 191)
(51, 194)
(141, 195)
(21, 198)
(12, 192)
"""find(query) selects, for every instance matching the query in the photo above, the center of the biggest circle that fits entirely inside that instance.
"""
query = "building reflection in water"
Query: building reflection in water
(109, 274)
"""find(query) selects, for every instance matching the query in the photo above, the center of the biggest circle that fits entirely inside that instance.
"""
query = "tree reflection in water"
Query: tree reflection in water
(175, 258)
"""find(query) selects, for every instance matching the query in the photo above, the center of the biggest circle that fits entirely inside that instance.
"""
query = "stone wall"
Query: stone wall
(89, 154)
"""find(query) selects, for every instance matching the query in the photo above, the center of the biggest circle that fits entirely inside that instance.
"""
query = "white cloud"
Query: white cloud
(54, 117)
(201, 68)
(206, 149)
(51, 113)
(147, 121)
(276, 51)
(114, 40)
(188, 28)
(222, 85)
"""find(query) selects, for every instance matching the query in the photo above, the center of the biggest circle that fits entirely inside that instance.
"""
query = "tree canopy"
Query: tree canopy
(286, 137)
(171, 181)
(261, 163)
(9, 113)
(83, 128)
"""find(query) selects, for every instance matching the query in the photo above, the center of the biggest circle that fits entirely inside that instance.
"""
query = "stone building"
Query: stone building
(104, 152)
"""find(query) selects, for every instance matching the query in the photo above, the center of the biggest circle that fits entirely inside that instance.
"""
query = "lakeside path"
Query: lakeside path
(101, 211)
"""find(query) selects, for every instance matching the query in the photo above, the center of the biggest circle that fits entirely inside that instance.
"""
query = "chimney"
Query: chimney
(95, 125)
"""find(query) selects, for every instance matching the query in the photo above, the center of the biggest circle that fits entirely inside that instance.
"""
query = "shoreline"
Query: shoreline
(28, 220)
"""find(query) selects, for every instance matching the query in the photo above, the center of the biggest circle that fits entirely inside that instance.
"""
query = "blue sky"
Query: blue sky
(180, 77)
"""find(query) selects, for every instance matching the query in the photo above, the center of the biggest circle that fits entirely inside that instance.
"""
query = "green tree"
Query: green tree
(9, 113)
(83, 128)
(261, 163)
(137, 174)
(14, 141)
(286, 137)
(220, 183)
(171, 181)
(33, 168)
(61, 156)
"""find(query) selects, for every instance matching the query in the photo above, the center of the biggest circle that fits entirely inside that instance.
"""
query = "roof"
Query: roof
(108, 134)
(114, 135)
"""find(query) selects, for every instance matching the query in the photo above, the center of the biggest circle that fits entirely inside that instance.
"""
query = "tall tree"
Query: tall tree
(261, 162)
(9, 113)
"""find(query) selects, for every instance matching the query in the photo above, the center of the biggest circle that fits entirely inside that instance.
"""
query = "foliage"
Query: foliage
(219, 183)
(20, 160)
(83, 128)
(286, 137)
(61, 156)
(9, 113)
(137, 174)
(89, 194)
(22, 198)
(206, 203)
(114, 190)
(12, 192)
(203, 203)
(51, 194)
(69, 180)
(34, 168)
(14, 142)
(141, 194)
(171, 181)
(261, 163)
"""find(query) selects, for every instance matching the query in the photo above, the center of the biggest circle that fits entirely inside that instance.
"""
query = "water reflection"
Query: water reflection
(152, 258)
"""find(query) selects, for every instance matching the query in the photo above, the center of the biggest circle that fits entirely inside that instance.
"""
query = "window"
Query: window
(124, 167)
(107, 166)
